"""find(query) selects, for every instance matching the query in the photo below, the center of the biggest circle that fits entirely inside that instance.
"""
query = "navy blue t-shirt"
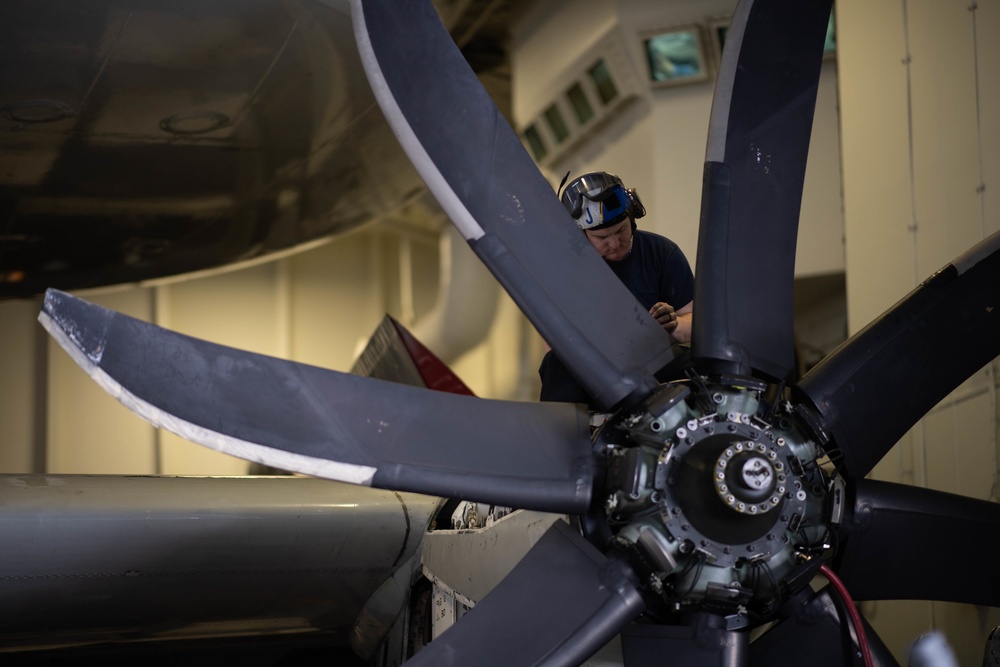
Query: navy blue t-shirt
(655, 270)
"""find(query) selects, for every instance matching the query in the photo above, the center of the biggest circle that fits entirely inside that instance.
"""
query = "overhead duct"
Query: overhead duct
(467, 301)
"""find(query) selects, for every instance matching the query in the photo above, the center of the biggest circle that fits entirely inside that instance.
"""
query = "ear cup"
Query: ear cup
(635, 204)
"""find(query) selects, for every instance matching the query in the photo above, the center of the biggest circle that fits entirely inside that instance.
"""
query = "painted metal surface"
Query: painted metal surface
(89, 559)
(140, 140)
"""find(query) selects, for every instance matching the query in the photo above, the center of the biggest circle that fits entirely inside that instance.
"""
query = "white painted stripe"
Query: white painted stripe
(436, 182)
(977, 253)
(718, 122)
(250, 451)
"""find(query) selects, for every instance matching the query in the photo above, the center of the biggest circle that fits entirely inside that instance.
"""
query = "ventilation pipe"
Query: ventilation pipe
(467, 301)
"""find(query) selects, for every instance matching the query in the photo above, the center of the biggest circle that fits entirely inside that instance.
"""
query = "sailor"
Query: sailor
(653, 268)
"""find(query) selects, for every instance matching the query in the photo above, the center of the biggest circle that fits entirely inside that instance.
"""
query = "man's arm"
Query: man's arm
(677, 323)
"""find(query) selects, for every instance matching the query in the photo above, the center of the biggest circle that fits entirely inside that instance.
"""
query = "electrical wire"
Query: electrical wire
(700, 561)
(852, 611)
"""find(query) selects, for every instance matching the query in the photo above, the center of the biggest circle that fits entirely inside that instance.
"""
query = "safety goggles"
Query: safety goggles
(598, 187)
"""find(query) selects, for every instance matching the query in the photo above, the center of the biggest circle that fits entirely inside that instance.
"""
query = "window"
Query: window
(535, 142)
(554, 117)
(601, 76)
(676, 56)
(580, 104)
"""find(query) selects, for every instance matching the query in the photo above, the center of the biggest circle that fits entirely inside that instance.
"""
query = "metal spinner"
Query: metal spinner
(716, 505)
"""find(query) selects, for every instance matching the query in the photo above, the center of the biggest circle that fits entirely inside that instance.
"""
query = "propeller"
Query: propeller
(328, 424)
(758, 142)
(706, 504)
(888, 530)
(917, 352)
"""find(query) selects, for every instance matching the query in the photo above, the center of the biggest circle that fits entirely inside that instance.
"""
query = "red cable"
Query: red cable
(852, 611)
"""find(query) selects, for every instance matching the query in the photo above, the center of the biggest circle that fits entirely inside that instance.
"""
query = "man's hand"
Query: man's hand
(677, 323)
(665, 314)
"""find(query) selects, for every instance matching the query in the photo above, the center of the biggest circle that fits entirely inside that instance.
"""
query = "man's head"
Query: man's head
(614, 243)
(605, 210)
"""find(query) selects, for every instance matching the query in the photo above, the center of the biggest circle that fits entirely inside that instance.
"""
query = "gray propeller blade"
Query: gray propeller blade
(487, 183)
(814, 626)
(702, 639)
(873, 388)
(758, 141)
(902, 542)
(328, 424)
(558, 606)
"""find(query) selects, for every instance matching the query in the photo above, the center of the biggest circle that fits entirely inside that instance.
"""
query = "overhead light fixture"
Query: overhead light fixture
(194, 122)
(36, 111)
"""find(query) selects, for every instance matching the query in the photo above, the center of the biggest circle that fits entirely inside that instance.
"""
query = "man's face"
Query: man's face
(613, 243)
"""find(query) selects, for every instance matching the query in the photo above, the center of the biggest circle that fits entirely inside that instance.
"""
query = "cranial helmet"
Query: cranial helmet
(598, 199)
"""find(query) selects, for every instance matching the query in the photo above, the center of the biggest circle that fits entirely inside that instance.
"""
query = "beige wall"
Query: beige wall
(20, 425)
(920, 137)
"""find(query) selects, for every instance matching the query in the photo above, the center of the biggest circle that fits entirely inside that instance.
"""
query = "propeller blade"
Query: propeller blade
(907, 543)
(818, 627)
(758, 140)
(479, 171)
(329, 424)
(702, 639)
(874, 387)
(558, 606)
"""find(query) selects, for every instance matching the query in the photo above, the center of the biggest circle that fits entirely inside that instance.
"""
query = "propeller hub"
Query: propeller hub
(711, 496)
(749, 477)
(722, 484)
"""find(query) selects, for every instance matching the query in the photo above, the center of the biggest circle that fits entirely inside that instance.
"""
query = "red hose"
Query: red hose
(852, 611)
